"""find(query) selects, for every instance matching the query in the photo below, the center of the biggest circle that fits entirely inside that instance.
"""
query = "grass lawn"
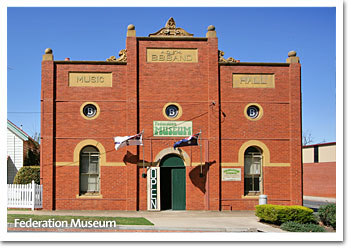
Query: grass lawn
(119, 220)
(19, 209)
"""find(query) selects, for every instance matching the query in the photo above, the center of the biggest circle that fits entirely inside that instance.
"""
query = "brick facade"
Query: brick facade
(137, 97)
(320, 179)
(319, 170)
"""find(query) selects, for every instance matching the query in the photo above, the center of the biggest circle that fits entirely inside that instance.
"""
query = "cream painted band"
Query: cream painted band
(174, 55)
(113, 164)
(109, 164)
(99, 196)
(250, 196)
(66, 163)
(184, 156)
(198, 163)
(261, 112)
(179, 152)
(90, 79)
(232, 164)
(265, 156)
(91, 103)
(177, 116)
(80, 146)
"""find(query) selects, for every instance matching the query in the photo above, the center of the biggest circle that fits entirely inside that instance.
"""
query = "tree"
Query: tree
(307, 137)
(32, 156)
(36, 137)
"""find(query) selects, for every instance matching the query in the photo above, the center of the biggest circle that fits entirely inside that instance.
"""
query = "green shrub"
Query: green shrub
(278, 214)
(26, 174)
(327, 214)
(292, 226)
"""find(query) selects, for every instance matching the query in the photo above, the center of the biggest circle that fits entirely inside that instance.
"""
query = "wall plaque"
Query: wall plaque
(231, 174)
(172, 128)
(90, 79)
(180, 55)
(253, 80)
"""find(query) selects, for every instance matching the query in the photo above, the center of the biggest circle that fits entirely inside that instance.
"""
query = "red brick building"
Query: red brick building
(170, 85)
(319, 170)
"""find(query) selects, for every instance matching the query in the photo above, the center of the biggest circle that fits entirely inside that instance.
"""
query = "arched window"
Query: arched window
(89, 171)
(252, 171)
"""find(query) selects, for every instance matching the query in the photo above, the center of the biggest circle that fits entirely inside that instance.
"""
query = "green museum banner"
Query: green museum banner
(172, 128)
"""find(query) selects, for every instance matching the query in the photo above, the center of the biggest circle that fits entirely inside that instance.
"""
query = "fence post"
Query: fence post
(33, 195)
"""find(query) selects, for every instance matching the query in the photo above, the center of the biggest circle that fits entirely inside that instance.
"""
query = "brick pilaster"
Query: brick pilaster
(213, 125)
(47, 133)
(295, 133)
(132, 119)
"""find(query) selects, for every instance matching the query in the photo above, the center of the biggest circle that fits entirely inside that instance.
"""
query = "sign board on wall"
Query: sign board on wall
(153, 186)
(231, 174)
(253, 80)
(180, 55)
(90, 79)
(172, 128)
(153, 189)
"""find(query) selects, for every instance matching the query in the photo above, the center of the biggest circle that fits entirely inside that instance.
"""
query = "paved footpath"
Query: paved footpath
(172, 221)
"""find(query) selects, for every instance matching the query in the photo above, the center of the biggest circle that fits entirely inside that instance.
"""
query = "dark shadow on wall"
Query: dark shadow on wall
(195, 177)
(134, 159)
(130, 158)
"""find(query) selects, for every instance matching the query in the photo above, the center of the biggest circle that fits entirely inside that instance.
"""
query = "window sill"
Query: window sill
(89, 196)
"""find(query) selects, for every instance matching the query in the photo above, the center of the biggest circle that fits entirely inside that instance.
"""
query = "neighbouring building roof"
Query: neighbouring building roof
(16, 130)
(320, 144)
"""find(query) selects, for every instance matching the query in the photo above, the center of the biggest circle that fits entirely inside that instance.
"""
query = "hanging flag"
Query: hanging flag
(121, 142)
(191, 140)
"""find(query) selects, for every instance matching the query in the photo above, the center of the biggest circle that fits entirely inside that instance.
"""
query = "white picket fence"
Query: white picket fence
(24, 196)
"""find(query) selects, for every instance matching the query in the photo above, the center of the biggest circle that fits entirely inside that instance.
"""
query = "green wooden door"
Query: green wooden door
(172, 161)
(178, 180)
(173, 183)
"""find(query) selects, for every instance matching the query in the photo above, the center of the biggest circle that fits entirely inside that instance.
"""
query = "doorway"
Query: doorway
(172, 183)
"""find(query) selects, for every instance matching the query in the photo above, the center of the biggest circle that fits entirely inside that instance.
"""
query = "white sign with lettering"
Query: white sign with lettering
(153, 186)
(231, 174)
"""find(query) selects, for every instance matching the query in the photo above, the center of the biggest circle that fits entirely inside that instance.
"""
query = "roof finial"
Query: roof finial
(170, 24)
(292, 57)
(48, 56)
(131, 30)
(211, 31)
(170, 30)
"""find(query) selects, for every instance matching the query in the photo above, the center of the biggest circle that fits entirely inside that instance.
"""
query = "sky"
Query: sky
(254, 34)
